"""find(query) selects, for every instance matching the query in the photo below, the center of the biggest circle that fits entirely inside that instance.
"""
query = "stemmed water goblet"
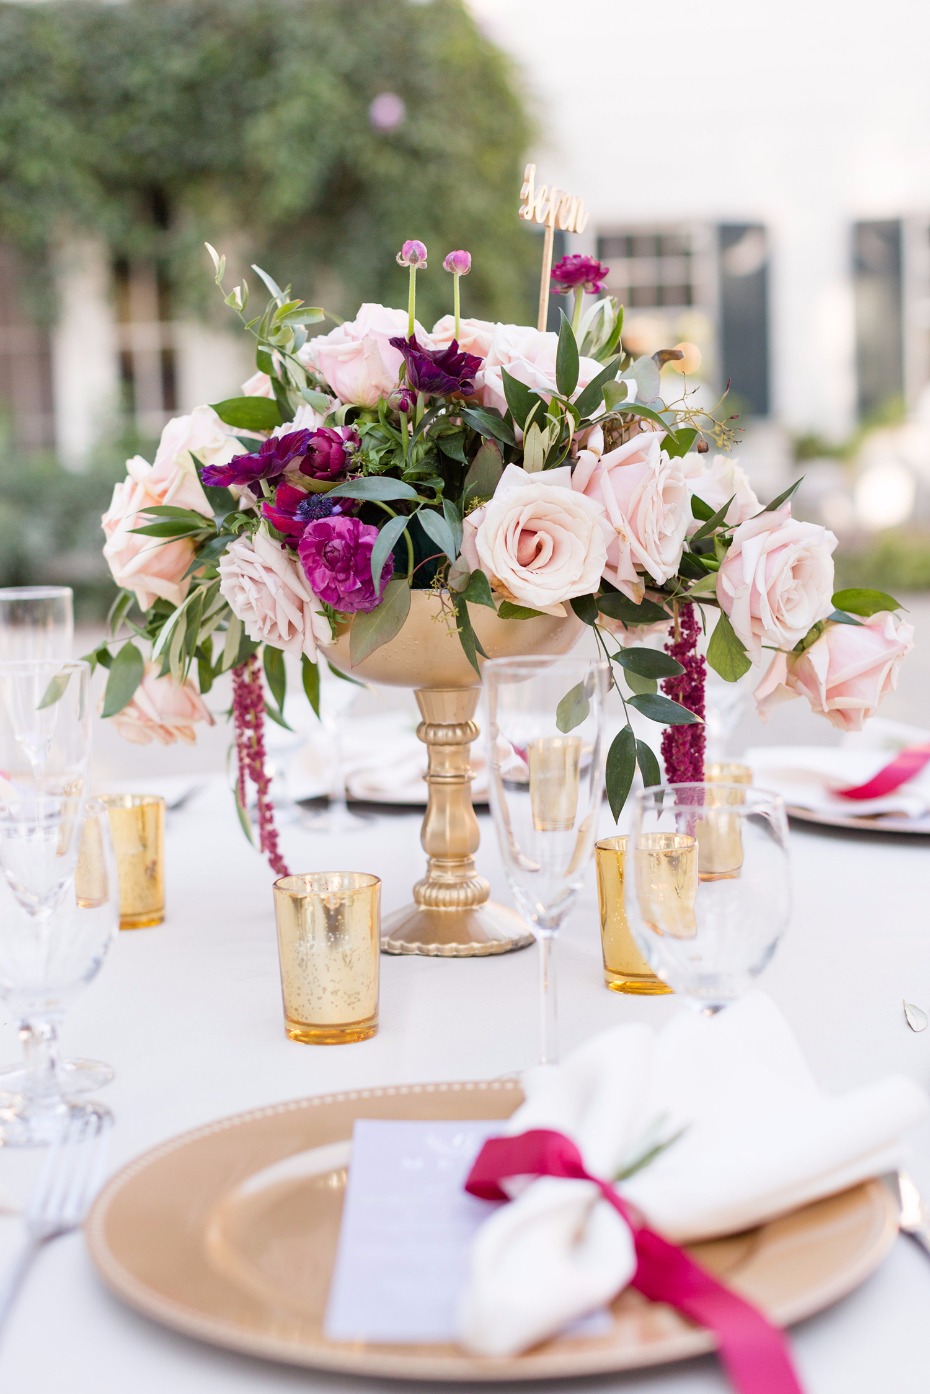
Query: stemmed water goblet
(545, 774)
(707, 887)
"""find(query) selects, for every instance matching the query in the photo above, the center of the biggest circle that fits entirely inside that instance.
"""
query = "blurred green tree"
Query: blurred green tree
(158, 124)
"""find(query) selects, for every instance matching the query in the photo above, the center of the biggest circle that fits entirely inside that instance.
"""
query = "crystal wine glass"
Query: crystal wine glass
(36, 622)
(338, 696)
(545, 773)
(707, 887)
(59, 912)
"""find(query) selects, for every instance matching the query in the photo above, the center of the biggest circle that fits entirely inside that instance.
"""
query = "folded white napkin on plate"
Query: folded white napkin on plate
(807, 776)
(760, 1139)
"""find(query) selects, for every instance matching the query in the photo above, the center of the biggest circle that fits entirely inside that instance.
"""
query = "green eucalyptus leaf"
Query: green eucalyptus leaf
(369, 631)
(859, 601)
(639, 685)
(374, 487)
(58, 686)
(648, 663)
(508, 611)
(275, 674)
(678, 443)
(586, 608)
(621, 766)
(438, 530)
(591, 397)
(619, 607)
(700, 509)
(310, 677)
(664, 710)
(566, 359)
(573, 708)
(648, 764)
(484, 472)
(125, 676)
(726, 652)
(840, 617)
(469, 639)
(782, 497)
(488, 423)
(385, 542)
(714, 521)
(478, 590)
(249, 413)
(453, 517)
(521, 399)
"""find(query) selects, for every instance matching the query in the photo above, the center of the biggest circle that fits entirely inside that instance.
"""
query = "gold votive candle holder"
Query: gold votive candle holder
(667, 883)
(727, 772)
(555, 768)
(719, 834)
(137, 828)
(329, 947)
(625, 969)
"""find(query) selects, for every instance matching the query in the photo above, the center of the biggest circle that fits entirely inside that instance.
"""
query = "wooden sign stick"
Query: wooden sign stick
(549, 208)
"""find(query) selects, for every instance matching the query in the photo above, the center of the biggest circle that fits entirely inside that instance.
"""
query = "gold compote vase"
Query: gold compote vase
(452, 915)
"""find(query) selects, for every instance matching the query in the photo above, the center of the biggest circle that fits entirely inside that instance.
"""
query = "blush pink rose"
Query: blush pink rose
(529, 356)
(264, 585)
(356, 359)
(474, 336)
(846, 671)
(714, 483)
(538, 542)
(162, 710)
(150, 567)
(648, 506)
(776, 580)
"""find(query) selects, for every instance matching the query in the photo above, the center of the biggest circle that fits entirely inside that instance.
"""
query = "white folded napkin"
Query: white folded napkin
(807, 776)
(760, 1139)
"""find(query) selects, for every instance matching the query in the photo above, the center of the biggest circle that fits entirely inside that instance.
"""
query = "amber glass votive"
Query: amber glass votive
(555, 767)
(137, 827)
(719, 835)
(329, 932)
(667, 883)
(625, 969)
(727, 772)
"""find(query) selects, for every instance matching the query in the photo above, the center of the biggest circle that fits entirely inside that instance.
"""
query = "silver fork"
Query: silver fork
(69, 1178)
(913, 1214)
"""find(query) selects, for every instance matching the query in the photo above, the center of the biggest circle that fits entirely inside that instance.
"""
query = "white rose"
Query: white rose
(714, 483)
(474, 336)
(538, 542)
(357, 360)
(648, 505)
(776, 580)
(203, 434)
(264, 585)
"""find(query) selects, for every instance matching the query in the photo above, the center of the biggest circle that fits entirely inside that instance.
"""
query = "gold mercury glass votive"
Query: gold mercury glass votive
(555, 767)
(329, 928)
(625, 969)
(137, 827)
(667, 883)
(719, 835)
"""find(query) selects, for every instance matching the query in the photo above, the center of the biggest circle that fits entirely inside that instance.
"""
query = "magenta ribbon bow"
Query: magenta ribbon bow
(902, 768)
(754, 1353)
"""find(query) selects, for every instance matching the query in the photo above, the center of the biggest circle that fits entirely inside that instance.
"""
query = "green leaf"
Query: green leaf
(714, 521)
(590, 399)
(484, 472)
(639, 685)
(310, 676)
(488, 423)
(678, 443)
(478, 590)
(374, 487)
(56, 689)
(318, 400)
(621, 766)
(271, 284)
(859, 601)
(585, 607)
(467, 635)
(508, 611)
(170, 510)
(249, 413)
(520, 399)
(125, 676)
(840, 617)
(782, 498)
(700, 509)
(275, 674)
(664, 710)
(566, 359)
(453, 517)
(232, 643)
(369, 631)
(387, 537)
(648, 764)
(620, 607)
(640, 409)
(438, 530)
(615, 393)
(573, 708)
(649, 663)
(726, 652)
(171, 527)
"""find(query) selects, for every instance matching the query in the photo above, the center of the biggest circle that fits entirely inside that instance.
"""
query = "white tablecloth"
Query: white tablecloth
(190, 1016)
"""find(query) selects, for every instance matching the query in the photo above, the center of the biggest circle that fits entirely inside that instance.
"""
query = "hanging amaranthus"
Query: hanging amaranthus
(683, 746)
(249, 722)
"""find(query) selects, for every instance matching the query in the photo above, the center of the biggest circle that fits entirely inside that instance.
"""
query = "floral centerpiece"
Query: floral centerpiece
(499, 466)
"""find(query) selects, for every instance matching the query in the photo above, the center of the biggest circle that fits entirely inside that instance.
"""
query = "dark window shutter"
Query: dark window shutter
(743, 272)
(877, 272)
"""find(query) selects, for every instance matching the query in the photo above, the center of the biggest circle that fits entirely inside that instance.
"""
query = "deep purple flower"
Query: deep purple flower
(574, 271)
(403, 399)
(459, 263)
(268, 462)
(412, 253)
(294, 508)
(439, 372)
(336, 557)
(329, 452)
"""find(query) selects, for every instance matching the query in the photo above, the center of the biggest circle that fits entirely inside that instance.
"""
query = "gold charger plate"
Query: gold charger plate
(229, 1234)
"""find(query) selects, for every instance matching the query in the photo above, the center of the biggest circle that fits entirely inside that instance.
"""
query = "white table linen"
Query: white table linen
(189, 1013)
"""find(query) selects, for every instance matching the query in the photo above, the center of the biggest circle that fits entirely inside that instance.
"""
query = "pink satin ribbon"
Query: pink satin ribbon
(754, 1353)
(902, 768)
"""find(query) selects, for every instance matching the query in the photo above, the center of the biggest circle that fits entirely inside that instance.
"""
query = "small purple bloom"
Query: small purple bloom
(459, 263)
(574, 271)
(438, 372)
(294, 508)
(329, 452)
(387, 111)
(268, 462)
(403, 399)
(412, 253)
(335, 554)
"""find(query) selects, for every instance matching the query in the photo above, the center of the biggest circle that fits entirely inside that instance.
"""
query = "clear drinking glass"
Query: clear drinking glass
(36, 622)
(545, 773)
(59, 912)
(338, 696)
(707, 886)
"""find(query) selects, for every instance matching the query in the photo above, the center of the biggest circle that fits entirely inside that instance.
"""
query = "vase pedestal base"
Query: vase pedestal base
(463, 932)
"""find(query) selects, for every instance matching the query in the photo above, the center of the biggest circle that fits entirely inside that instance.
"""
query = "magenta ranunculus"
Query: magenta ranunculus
(574, 271)
(336, 557)
(329, 452)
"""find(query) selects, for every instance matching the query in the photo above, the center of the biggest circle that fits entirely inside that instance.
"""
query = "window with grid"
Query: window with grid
(26, 403)
(146, 344)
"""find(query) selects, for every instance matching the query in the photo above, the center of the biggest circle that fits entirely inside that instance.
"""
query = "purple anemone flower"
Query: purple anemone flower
(268, 462)
(459, 263)
(438, 372)
(329, 452)
(335, 554)
(293, 509)
(577, 271)
(412, 253)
